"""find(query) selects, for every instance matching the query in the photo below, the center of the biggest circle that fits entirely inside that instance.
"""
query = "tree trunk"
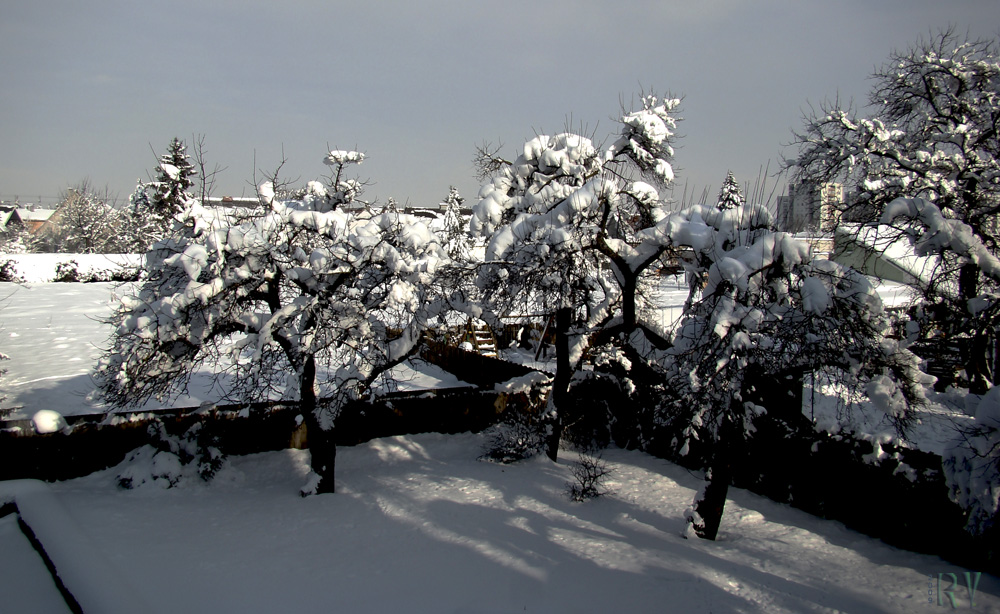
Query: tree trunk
(322, 447)
(976, 363)
(560, 384)
(629, 289)
(712, 500)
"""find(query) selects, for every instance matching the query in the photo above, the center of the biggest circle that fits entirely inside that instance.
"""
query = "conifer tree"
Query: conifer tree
(730, 196)
(171, 193)
(456, 228)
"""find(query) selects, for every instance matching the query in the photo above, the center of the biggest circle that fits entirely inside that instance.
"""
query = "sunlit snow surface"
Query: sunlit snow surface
(54, 336)
(419, 525)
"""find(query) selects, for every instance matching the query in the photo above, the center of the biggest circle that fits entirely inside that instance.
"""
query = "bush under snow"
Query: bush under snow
(972, 465)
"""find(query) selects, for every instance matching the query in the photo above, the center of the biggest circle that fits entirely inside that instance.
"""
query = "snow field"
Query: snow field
(419, 525)
(54, 336)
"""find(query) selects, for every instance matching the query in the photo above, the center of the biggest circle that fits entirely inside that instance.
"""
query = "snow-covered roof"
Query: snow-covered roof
(6, 216)
(883, 245)
(37, 215)
(894, 295)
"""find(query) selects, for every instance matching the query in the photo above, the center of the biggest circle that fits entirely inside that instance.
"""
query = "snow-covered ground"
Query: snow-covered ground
(54, 335)
(24, 580)
(419, 525)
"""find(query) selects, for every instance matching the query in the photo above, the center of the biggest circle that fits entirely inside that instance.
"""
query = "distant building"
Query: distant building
(883, 252)
(811, 207)
(35, 220)
(10, 220)
(247, 202)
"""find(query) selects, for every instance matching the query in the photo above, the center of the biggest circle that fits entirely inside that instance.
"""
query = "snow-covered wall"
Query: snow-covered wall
(40, 268)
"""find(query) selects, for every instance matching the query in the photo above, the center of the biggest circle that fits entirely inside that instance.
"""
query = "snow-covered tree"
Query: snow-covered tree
(972, 466)
(561, 221)
(19, 240)
(153, 204)
(455, 228)
(306, 302)
(730, 196)
(141, 227)
(767, 310)
(171, 187)
(86, 222)
(930, 133)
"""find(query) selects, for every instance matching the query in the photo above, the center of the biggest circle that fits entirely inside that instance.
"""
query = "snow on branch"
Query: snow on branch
(342, 157)
(940, 233)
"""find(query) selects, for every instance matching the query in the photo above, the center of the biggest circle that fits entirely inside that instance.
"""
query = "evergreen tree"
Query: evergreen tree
(730, 196)
(154, 205)
(170, 191)
(141, 226)
(456, 228)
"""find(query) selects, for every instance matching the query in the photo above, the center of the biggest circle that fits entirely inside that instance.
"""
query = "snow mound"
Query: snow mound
(48, 421)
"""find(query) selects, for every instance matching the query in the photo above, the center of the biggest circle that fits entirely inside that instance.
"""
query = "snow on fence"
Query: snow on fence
(87, 580)
(97, 442)
(483, 371)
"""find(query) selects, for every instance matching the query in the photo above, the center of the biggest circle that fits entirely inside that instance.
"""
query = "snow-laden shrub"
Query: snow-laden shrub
(972, 466)
(170, 458)
(9, 272)
(68, 271)
(518, 436)
(522, 431)
(47, 421)
(72, 271)
(147, 465)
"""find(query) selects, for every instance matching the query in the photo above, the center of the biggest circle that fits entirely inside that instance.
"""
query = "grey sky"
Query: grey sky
(89, 87)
